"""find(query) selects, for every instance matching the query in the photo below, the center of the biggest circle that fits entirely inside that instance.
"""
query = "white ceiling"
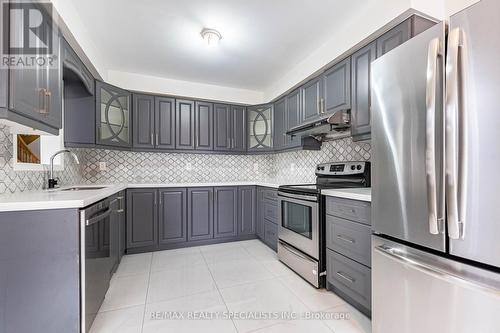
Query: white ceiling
(262, 39)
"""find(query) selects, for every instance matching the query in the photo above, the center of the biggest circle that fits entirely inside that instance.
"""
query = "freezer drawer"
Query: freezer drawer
(349, 278)
(417, 292)
(349, 238)
(353, 210)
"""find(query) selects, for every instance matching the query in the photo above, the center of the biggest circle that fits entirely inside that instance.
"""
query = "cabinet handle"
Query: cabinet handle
(159, 198)
(323, 105)
(152, 140)
(346, 239)
(48, 106)
(319, 106)
(156, 139)
(41, 101)
(346, 277)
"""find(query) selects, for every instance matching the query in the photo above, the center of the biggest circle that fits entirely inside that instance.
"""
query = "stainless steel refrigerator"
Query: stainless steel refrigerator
(435, 182)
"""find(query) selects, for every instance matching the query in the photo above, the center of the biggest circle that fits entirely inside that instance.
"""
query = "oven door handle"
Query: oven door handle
(298, 196)
(96, 218)
(293, 251)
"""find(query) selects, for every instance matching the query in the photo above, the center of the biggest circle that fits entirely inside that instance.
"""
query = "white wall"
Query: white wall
(167, 86)
(454, 6)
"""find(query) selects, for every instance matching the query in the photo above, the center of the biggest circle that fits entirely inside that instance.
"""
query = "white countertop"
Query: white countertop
(362, 194)
(59, 199)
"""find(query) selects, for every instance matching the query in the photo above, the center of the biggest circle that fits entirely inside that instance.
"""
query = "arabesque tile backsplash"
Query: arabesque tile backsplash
(145, 167)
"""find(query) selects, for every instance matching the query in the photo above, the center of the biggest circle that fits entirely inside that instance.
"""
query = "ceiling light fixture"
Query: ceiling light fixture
(211, 36)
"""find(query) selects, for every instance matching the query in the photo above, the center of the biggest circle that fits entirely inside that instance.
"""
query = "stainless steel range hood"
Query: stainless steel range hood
(334, 126)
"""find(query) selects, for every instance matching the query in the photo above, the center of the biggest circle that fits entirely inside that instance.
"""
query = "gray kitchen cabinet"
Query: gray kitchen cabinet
(143, 121)
(185, 124)
(259, 215)
(113, 116)
(200, 213)
(204, 126)
(271, 235)
(293, 117)
(312, 93)
(361, 92)
(394, 37)
(222, 127)
(35, 93)
(172, 215)
(121, 212)
(142, 218)
(225, 211)
(260, 128)
(279, 136)
(164, 122)
(71, 61)
(238, 128)
(337, 88)
(246, 210)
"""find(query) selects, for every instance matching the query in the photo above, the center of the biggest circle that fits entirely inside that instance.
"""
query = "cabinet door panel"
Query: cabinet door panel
(142, 218)
(361, 95)
(144, 119)
(260, 127)
(239, 133)
(337, 87)
(185, 124)
(246, 210)
(222, 127)
(311, 95)
(225, 211)
(172, 216)
(204, 126)
(293, 115)
(393, 38)
(165, 123)
(279, 124)
(200, 213)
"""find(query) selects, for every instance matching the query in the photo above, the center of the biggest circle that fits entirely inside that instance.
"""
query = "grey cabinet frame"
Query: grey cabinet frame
(172, 213)
(143, 111)
(279, 132)
(222, 127)
(337, 88)
(165, 122)
(185, 124)
(312, 93)
(238, 128)
(200, 213)
(204, 119)
(247, 210)
(142, 218)
(225, 211)
(293, 117)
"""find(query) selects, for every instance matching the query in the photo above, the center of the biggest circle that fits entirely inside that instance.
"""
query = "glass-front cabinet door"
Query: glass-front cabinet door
(113, 116)
(260, 125)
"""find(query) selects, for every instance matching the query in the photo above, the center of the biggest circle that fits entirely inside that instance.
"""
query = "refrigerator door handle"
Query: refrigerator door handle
(456, 135)
(434, 52)
(412, 260)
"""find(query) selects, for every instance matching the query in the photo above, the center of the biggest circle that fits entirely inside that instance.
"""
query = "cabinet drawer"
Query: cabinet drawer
(351, 278)
(271, 211)
(349, 238)
(271, 234)
(271, 195)
(349, 209)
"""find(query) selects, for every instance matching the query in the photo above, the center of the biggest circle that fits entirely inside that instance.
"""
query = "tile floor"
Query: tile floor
(240, 278)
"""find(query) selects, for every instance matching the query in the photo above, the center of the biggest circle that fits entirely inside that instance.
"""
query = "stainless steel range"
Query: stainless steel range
(301, 220)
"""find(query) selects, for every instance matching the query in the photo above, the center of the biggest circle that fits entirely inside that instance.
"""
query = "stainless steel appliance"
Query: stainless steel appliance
(97, 259)
(435, 211)
(301, 230)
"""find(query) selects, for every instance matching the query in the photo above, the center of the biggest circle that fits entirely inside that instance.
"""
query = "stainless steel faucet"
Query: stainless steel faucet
(52, 181)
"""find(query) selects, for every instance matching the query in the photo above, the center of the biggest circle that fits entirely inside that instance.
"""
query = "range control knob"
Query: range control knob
(358, 167)
(353, 167)
(319, 168)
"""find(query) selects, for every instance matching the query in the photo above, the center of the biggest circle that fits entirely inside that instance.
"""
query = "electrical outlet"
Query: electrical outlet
(102, 166)
(189, 166)
(256, 167)
(292, 167)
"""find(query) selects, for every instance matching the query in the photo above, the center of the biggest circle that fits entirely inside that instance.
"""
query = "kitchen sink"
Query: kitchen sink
(83, 188)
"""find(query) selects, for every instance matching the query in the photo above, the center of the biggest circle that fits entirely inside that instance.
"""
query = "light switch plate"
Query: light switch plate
(103, 166)
(189, 166)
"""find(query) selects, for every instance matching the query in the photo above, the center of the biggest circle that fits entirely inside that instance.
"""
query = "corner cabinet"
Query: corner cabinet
(260, 128)
(113, 116)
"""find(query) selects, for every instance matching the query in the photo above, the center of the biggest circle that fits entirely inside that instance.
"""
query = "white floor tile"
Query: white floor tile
(166, 261)
(277, 268)
(125, 292)
(356, 322)
(220, 247)
(269, 296)
(236, 272)
(127, 320)
(261, 252)
(156, 315)
(251, 242)
(134, 264)
(297, 326)
(314, 299)
(223, 255)
(170, 284)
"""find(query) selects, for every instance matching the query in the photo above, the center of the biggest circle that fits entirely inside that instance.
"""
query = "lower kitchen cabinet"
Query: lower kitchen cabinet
(271, 234)
(266, 216)
(225, 211)
(200, 213)
(117, 226)
(246, 210)
(142, 218)
(259, 214)
(172, 216)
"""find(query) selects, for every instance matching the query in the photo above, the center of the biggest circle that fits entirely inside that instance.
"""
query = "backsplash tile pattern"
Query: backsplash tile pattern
(143, 167)
(18, 181)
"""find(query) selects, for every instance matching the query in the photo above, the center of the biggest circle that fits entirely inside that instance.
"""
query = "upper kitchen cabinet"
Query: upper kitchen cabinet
(72, 62)
(204, 119)
(144, 121)
(31, 93)
(361, 100)
(113, 116)
(337, 88)
(185, 124)
(293, 116)
(279, 141)
(238, 128)
(229, 128)
(260, 127)
(165, 122)
(312, 94)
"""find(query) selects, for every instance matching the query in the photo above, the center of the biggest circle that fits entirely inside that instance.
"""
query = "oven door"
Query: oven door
(299, 222)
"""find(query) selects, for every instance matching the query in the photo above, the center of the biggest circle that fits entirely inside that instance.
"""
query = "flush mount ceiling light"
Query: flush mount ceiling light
(211, 36)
